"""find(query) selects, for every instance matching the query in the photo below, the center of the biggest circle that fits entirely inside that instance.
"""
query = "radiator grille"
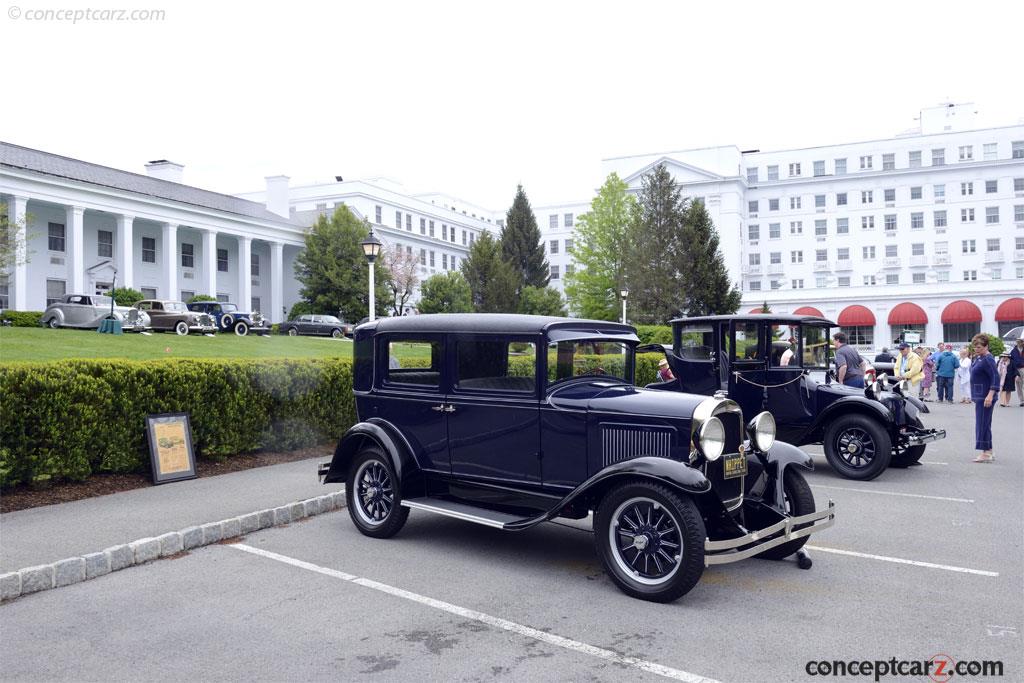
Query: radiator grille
(620, 443)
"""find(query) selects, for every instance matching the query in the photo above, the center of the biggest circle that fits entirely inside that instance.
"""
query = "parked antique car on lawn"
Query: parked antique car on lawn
(89, 310)
(230, 319)
(324, 325)
(513, 420)
(174, 316)
(744, 358)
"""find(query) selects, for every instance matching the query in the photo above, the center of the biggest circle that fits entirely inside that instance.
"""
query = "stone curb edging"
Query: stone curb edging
(77, 569)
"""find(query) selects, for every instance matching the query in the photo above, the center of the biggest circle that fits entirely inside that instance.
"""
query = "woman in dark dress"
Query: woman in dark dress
(984, 387)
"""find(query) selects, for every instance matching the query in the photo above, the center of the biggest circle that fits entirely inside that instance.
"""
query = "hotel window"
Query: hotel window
(865, 163)
(942, 276)
(819, 168)
(775, 257)
(888, 162)
(966, 189)
(377, 214)
(773, 173)
(444, 232)
(821, 255)
(890, 221)
(820, 227)
(254, 302)
(891, 250)
(451, 234)
(915, 192)
(997, 274)
(968, 247)
(990, 151)
(754, 232)
(553, 221)
(55, 233)
(553, 247)
(867, 196)
(221, 297)
(992, 244)
(398, 220)
(840, 166)
(444, 261)
(1018, 243)
(752, 206)
(554, 272)
(149, 250)
(752, 174)
(430, 228)
(796, 227)
(105, 244)
(917, 220)
(754, 259)
(966, 153)
(917, 278)
(570, 269)
(423, 257)
(1018, 184)
(966, 215)
(186, 295)
(842, 226)
(867, 222)
(567, 223)
(892, 278)
(1018, 213)
(754, 286)
(55, 290)
(794, 170)
(423, 226)
(1018, 149)
(188, 254)
(940, 219)
(794, 203)
(941, 248)
(432, 260)
(939, 191)
(408, 222)
(840, 199)
(868, 253)
(254, 265)
(970, 275)
(774, 231)
(938, 157)
(889, 195)
(796, 257)
(463, 238)
(819, 201)
(568, 246)
(472, 238)
(843, 281)
(991, 215)
(991, 186)
(222, 260)
(821, 282)
(917, 249)
(914, 160)
(798, 284)
(455, 262)
(869, 280)
(776, 284)
(843, 254)
(773, 204)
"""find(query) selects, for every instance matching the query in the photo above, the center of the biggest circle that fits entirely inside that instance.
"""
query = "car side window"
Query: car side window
(144, 306)
(748, 341)
(784, 346)
(815, 346)
(412, 361)
(568, 359)
(696, 342)
(495, 365)
(317, 319)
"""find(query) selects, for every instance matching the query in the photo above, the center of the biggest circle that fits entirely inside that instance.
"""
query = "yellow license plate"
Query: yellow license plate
(735, 465)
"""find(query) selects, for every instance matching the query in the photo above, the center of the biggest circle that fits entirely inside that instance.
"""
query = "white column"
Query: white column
(209, 262)
(125, 251)
(276, 282)
(75, 234)
(244, 274)
(16, 213)
(170, 261)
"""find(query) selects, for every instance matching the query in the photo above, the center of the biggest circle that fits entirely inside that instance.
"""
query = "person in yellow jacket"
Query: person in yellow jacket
(908, 365)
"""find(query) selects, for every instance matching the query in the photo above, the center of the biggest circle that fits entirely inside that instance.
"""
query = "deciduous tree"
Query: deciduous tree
(541, 301)
(404, 269)
(446, 293)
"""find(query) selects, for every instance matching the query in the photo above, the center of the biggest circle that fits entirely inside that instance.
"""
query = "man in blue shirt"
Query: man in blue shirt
(945, 370)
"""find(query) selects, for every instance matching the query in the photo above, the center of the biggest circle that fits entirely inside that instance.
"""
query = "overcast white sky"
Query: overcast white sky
(472, 98)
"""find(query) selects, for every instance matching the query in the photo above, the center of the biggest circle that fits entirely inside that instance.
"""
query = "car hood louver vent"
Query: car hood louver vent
(623, 442)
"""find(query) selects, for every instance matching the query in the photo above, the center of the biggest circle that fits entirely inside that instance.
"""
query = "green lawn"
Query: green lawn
(19, 344)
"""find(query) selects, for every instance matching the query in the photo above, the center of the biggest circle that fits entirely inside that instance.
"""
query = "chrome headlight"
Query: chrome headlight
(761, 431)
(711, 439)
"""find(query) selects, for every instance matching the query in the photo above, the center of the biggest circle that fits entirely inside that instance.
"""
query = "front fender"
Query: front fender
(55, 313)
(845, 406)
(390, 440)
(780, 456)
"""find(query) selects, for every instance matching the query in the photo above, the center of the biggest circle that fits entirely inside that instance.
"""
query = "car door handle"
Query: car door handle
(439, 408)
(449, 409)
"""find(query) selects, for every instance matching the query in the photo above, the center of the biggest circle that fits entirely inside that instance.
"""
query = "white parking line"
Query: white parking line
(900, 560)
(496, 622)
(893, 493)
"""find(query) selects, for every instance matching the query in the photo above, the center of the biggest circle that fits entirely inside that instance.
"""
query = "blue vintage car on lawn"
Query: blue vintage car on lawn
(510, 421)
(230, 319)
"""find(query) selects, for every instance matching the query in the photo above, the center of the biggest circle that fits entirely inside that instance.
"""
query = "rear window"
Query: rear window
(496, 365)
(413, 361)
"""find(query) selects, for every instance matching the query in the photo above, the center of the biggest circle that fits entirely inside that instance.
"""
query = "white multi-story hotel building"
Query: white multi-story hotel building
(922, 232)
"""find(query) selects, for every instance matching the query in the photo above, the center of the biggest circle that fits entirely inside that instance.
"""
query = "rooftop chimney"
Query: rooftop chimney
(277, 195)
(165, 170)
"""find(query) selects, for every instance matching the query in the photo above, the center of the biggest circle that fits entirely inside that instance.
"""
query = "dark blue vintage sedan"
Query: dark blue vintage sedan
(510, 421)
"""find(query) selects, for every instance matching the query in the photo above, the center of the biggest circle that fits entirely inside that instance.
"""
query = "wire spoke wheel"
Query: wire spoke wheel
(645, 541)
(374, 493)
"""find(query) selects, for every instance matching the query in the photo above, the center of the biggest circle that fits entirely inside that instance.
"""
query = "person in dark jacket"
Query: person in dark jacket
(984, 386)
(1017, 364)
(945, 371)
(885, 356)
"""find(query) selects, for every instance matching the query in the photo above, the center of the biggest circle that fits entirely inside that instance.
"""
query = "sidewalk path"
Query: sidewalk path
(54, 532)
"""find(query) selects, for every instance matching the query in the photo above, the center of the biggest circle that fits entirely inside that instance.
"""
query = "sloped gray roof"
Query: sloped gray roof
(15, 156)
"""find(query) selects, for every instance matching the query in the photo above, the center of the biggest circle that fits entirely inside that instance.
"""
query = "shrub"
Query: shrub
(995, 345)
(201, 297)
(654, 334)
(300, 308)
(24, 318)
(69, 419)
(125, 296)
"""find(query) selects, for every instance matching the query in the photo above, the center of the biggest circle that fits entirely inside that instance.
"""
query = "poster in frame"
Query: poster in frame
(170, 447)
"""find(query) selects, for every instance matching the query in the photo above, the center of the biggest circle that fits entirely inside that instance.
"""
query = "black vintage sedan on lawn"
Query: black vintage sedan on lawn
(750, 360)
(510, 421)
(321, 325)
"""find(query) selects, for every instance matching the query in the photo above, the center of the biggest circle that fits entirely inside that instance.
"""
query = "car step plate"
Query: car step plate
(468, 513)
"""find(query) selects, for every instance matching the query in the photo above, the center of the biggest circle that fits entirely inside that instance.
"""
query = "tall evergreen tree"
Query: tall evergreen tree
(491, 279)
(706, 286)
(598, 250)
(653, 268)
(521, 244)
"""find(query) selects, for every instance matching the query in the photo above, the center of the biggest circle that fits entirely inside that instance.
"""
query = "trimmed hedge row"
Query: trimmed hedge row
(69, 419)
(654, 334)
(23, 318)
(646, 366)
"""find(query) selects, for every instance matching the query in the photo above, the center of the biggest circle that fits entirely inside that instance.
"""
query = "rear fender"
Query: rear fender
(846, 406)
(390, 440)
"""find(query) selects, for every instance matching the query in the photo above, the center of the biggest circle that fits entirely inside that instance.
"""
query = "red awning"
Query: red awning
(759, 309)
(1010, 310)
(961, 311)
(808, 310)
(907, 313)
(856, 316)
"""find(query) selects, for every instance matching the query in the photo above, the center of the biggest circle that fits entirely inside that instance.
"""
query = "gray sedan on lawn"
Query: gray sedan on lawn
(324, 325)
(88, 311)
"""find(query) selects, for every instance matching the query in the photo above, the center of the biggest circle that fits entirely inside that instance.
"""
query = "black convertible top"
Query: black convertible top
(493, 323)
(782, 318)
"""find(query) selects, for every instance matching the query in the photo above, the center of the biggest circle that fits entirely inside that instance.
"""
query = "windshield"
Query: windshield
(589, 358)
(103, 301)
(815, 346)
(228, 308)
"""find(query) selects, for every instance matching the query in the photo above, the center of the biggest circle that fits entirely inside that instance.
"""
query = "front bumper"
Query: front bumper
(205, 329)
(756, 542)
(923, 436)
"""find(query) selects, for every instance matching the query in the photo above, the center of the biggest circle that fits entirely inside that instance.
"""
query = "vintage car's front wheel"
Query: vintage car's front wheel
(857, 447)
(241, 329)
(797, 501)
(292, 332)
(53, 323)
(651, 541)
(905, 456)
(373, 494)
(181, 328)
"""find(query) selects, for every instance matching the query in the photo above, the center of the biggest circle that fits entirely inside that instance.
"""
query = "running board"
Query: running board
(467, 513)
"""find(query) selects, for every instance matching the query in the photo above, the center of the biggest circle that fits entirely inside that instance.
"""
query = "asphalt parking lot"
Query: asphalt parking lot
(920, 562)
